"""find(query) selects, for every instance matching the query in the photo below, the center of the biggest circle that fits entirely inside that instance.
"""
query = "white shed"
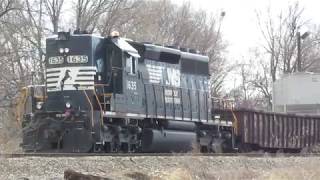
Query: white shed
(297, 93)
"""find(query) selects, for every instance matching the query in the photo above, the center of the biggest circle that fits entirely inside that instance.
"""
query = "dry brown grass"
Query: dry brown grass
(10, 132)
(292, 174)
(312, 173)
(178, 174)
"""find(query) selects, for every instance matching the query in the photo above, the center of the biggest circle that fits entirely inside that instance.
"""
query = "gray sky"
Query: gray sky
(239, 26)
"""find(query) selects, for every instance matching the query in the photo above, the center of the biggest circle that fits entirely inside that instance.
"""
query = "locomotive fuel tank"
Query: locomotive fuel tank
(167, 140)
(180, 125)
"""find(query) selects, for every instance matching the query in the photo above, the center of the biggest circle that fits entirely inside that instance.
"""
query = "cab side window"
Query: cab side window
(100, 65)
(131, 64)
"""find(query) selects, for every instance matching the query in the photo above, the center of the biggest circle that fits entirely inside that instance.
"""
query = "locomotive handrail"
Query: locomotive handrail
(22, 100)
(36, 85)
(174, 107)
(208, 106)
(101, 85)
(225, 103)
(181, 102)
(234, 122)
(161, 85)
(101, 111)
(91, 106)
(155, 100)
(191, 109)
(164, 102)
(198, 99)
(146, 100)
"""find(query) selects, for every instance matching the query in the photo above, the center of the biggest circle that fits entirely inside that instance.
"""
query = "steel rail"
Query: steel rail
(256, 155)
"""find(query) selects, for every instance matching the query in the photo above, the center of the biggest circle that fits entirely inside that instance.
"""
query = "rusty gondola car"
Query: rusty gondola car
(259, 130)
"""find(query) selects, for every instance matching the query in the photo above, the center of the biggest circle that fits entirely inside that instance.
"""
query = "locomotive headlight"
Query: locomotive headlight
(68, 105)
(39, 105)
(66, 50)
(61, 50)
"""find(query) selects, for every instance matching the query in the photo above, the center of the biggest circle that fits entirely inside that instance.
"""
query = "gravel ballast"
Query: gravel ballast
(177, 167)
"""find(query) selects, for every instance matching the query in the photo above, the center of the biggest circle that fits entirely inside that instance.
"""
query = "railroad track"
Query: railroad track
(257, 155)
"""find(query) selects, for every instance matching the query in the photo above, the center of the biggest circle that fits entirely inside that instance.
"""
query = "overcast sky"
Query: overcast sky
(239, 26)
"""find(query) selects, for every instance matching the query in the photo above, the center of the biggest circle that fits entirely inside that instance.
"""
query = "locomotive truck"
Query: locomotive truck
(111, 94)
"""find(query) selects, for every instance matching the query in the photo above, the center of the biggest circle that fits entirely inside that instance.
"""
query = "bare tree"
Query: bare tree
(34, 17)
(260, 79)
(21, 53)
(252, 82)
(89, 12)
(122, 16)
(22, 50)
(279, 35)
(310, 54)
(54, 8)
(6, 6)
(165, 23)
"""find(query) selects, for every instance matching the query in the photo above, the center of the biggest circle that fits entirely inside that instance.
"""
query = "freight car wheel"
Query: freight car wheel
(245, 148)
(216, 146)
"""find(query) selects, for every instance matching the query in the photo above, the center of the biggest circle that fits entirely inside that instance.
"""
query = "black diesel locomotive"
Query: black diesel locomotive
(115, 95)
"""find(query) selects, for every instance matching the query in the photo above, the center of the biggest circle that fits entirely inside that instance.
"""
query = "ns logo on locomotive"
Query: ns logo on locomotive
(110, 94)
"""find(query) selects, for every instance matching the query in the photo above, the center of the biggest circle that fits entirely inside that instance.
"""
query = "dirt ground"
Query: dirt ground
(158, 168)
(10, 144)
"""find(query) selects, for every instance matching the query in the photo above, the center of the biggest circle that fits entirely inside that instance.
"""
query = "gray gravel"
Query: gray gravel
(179, 167)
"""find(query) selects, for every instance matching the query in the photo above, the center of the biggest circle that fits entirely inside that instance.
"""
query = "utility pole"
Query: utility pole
(299, 51)
(299, 37)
